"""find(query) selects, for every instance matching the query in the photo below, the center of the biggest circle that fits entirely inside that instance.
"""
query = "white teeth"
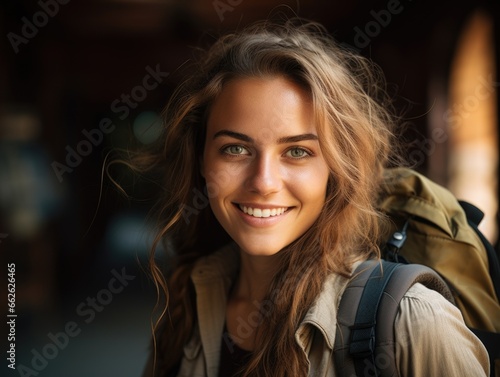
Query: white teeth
(267, 212)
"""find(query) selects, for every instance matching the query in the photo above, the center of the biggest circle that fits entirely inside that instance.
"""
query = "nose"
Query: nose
(265, 176)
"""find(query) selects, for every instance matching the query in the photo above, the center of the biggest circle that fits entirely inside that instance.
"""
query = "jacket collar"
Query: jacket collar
(323, 313)
(213, 276)
(224, 264)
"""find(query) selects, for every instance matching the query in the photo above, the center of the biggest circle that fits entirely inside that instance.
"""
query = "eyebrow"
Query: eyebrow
(233, 134)
(281, 140)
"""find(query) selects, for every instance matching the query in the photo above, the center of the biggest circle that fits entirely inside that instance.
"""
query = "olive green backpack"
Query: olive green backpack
(431, 228)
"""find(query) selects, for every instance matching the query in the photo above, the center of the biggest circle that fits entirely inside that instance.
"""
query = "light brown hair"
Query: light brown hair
(354, 128)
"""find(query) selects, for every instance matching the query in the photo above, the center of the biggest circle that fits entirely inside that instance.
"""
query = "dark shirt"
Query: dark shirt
(232, 358)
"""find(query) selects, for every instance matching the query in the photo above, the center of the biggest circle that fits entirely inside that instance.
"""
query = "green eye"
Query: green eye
(235, 150)
(297, 153)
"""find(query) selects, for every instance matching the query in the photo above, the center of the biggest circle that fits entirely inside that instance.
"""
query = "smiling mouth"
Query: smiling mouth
(263, 212)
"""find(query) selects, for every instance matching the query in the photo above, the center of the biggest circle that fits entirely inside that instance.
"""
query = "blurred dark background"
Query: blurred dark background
(79, 79)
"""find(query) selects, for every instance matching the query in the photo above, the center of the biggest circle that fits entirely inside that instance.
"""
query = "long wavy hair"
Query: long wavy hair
(354, 123)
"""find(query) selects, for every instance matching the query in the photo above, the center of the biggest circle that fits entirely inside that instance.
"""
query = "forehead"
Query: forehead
(270, 107)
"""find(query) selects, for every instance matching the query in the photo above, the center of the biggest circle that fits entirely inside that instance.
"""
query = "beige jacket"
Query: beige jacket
(432, 339)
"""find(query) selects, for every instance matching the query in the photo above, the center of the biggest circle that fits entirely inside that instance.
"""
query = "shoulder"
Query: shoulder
(420, 295)
(423, 305)
(423, 311)
(431, 337)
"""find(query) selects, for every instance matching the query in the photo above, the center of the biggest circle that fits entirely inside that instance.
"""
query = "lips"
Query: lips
(263, 212)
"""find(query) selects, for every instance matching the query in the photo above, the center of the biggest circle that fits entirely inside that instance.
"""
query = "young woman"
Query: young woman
(273, 156)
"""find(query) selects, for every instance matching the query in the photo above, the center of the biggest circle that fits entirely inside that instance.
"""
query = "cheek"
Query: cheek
(312, 196)
(311, 185)
(316, 193)
(220, 179)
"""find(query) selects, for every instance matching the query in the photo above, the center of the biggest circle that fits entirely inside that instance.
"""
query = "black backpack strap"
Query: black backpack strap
(474, 217)
(367, 312)
(362, 342)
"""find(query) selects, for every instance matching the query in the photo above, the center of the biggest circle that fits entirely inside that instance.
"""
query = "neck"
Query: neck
(254, 279)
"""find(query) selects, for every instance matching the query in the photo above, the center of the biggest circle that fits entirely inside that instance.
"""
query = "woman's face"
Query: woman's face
(265, 174)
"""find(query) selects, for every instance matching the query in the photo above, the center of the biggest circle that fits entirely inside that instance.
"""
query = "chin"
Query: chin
(263, 250)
